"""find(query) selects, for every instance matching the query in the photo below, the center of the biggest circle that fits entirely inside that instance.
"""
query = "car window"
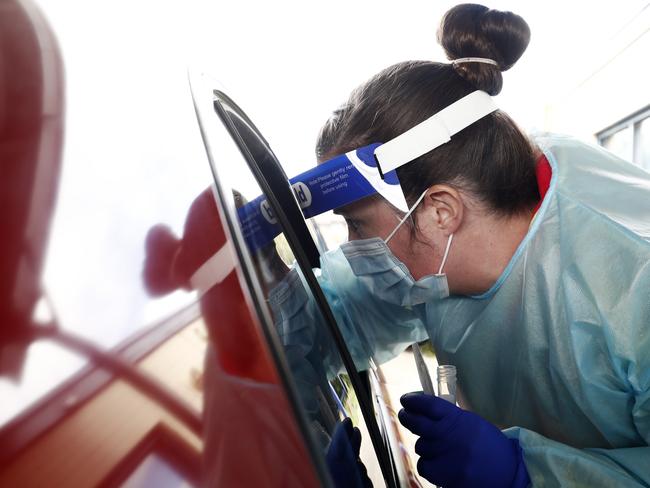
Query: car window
(282, 255)
(356, 318)
(389, 379)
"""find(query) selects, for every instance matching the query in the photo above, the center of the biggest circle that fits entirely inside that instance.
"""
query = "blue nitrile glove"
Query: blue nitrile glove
(458, 448)
(342, 458)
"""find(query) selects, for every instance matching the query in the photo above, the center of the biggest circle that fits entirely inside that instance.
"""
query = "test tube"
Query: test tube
(447, 383)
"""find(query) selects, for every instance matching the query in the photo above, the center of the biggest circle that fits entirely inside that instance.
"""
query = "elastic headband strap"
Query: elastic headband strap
(434, 132)
(475, 60)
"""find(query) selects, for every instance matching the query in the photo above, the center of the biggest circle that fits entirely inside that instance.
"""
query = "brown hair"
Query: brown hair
(492, 158)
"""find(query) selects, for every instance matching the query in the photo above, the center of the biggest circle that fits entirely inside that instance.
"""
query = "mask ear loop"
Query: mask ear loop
(417, 202)
(444, 258)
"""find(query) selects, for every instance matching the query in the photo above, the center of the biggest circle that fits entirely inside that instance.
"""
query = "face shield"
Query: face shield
(366, 171)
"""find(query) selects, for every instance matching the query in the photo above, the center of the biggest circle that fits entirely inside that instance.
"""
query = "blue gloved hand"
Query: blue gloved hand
(458, 448)
(342, 458)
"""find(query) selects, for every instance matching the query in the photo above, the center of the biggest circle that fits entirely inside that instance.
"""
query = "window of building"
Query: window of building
(630, 138)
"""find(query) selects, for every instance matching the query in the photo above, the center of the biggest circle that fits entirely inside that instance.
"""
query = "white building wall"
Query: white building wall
(614, 86)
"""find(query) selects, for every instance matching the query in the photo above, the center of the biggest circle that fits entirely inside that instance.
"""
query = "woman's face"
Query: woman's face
(483, 245)
(369, 217)
(374, 217)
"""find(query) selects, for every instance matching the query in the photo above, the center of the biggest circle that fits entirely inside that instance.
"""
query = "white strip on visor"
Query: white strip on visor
(435, 131)
(386, 187)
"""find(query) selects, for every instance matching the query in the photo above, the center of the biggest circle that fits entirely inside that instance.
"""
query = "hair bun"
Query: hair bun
(472, 30)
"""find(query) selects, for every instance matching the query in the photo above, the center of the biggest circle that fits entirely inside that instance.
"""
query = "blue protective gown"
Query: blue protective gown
(559, 347)
(557, 352)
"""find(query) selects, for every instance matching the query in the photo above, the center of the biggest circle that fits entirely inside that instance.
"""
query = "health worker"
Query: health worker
(525, 260)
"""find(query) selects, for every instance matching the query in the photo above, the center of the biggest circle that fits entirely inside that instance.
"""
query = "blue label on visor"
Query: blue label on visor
(328, 186)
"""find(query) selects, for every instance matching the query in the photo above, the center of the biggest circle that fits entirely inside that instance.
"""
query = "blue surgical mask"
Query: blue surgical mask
(387, 277)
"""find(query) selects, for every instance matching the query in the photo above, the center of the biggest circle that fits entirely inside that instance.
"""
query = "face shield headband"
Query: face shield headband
(365, 171)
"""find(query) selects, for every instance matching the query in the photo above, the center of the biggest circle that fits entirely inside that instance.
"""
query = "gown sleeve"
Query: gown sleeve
(552, 463)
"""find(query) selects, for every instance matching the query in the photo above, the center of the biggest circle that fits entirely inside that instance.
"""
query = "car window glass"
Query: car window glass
(323, 387)
(392, 377)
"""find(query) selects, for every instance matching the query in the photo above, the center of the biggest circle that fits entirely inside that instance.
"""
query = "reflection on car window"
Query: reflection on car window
(111, 193)
(46, 365)
(120, 175)
(156, 471)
